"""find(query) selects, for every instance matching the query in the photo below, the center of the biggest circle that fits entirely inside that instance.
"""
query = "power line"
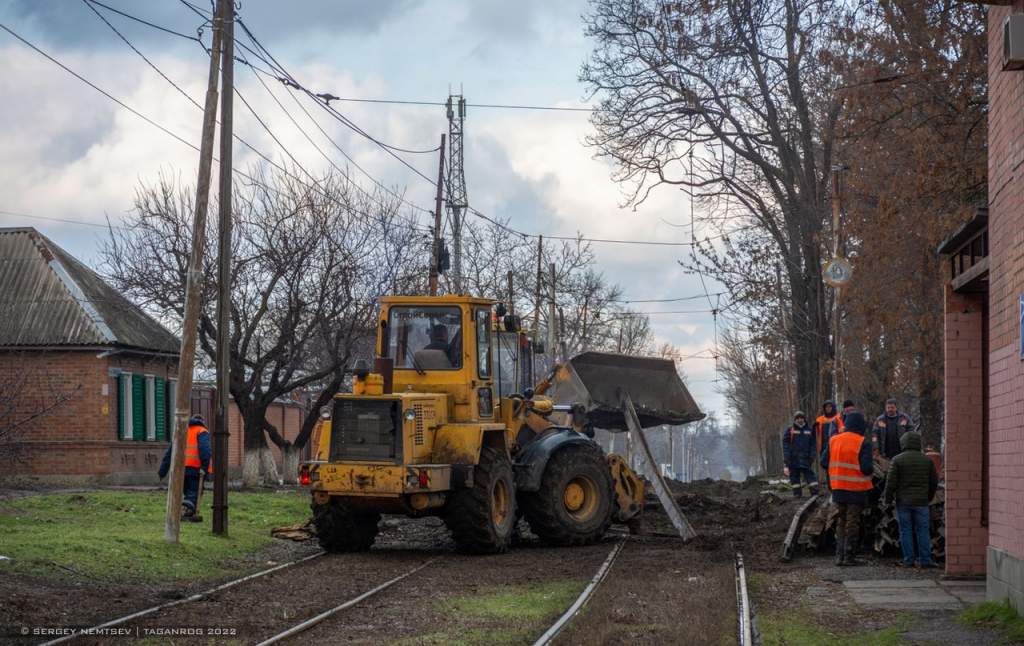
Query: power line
(289, 81)
(145, 22)
(505, 106)
(65, 220)
(326, 105)
(165, 130)
(235, 136)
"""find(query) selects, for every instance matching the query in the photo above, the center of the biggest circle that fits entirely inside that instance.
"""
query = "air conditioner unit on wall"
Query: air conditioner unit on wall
(1013, 42)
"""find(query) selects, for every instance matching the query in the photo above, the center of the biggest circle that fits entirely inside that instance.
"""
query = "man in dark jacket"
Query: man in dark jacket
(798, 451)
(197, 459)
(849, 465)
(912, 481)
(889, 427)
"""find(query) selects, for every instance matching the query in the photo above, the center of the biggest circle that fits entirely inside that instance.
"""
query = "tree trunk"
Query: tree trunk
(251, 468)
(268, 467)
(253, 419)
(290, 464)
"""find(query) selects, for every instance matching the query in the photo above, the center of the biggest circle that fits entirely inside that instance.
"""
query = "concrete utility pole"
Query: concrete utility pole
(457, 200)
(435, 257)
(193, 297)
(836, 211)
(220, 431)
(536, 298)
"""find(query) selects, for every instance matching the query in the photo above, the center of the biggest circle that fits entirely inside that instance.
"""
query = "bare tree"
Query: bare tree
(309, 261)
(27, 395)
(735, 102)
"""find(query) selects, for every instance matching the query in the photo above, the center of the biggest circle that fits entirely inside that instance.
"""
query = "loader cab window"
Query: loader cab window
(425, 338)
(504, 350)
(483, 342)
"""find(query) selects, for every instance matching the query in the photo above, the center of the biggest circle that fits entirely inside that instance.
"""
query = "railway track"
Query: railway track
(746, 628)
(159, 612)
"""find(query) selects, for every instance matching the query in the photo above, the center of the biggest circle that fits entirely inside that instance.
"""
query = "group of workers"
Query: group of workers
(839, 442)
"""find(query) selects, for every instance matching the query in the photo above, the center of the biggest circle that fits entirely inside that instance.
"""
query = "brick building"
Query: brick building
(102, 371)
(985, 350)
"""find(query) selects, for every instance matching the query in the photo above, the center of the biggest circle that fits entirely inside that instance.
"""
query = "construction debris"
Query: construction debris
(879, 526)
(298, 532)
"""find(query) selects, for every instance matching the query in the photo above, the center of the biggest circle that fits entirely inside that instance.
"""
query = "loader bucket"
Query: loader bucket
(597, 380)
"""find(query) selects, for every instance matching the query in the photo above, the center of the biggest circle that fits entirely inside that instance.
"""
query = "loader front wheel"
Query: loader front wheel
(574, 503)
(482, 518)
(340, 529)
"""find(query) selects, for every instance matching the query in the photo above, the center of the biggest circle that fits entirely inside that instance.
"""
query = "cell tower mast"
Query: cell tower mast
(457, 200)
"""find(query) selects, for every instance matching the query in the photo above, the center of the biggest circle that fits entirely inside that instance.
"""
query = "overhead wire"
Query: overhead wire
(263, 156)
(259, 153)
(268, 58)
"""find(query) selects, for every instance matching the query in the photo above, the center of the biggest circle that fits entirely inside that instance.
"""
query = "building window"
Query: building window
(145, 407)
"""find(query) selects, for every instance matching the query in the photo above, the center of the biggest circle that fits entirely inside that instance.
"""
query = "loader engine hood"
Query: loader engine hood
(597, 380)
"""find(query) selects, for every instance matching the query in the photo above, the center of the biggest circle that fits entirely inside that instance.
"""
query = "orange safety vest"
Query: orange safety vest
(192, 447)
(821, 424)
(844, 463)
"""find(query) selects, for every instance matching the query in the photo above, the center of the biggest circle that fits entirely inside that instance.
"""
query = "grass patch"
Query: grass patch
(529, 603)
(996, 614)
(512, 615)
(787, 629)
(118, 535)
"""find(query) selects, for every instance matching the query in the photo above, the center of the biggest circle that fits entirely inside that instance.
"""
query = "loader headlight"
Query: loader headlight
(410, 415)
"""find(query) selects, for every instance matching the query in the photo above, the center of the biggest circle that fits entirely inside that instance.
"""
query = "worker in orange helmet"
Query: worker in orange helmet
(198, 455)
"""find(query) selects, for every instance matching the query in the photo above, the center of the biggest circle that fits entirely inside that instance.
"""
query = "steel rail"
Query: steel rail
(86, 632)
(746, 634)
(309, 623)
(789, 544)
(562, 621)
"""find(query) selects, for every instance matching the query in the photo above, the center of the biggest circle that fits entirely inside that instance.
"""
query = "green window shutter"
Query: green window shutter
(120, 407)
(172, 395)
(161, 409)
(138, 408)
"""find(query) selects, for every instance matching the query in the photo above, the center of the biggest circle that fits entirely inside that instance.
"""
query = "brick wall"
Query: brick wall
(77, 441)
(1006, 270)
(966, 537)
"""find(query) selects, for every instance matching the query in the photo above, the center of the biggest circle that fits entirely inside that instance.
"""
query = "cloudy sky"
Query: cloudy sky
(68, 152)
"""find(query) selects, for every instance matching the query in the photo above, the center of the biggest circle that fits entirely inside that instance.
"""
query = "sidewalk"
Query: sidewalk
(811, 600)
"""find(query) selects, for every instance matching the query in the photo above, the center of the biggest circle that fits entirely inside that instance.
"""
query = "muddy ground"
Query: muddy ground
(659, 591)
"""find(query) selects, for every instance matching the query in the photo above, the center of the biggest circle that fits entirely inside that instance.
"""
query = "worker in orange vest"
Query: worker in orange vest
(850, 465)
(197, 459)
(828, 424)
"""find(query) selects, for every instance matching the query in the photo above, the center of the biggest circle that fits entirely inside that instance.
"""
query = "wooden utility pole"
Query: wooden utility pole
(435, 257)
(551, 316)
(193, 298)
(220, 431)
(537, 303)
(511, 294)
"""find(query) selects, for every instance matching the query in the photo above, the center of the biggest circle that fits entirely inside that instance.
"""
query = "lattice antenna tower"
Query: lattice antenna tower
(457, 200)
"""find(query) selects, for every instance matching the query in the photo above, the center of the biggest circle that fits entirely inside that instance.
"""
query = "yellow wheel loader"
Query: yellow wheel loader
(446, 425)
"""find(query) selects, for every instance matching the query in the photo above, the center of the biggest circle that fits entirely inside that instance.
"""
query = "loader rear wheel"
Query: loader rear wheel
(574, 503)
(340, 529)
(482, 518)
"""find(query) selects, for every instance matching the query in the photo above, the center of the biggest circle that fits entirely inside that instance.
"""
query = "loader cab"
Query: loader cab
(442, 344)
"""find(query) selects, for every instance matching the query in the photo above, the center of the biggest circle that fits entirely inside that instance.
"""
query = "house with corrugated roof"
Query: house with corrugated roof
(103, 371)
(68, 336)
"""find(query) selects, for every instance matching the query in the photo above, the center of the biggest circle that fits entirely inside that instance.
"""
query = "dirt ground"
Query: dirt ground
(659, 590)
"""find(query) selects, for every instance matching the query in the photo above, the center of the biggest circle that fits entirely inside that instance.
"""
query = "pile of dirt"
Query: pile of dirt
(750, 517)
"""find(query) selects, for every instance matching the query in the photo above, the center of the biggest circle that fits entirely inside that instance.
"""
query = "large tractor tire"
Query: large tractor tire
(340, 529)
(482, 518)
(575, 501)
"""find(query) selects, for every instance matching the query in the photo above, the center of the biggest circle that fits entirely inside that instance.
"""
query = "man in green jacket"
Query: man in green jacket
(912, 481)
